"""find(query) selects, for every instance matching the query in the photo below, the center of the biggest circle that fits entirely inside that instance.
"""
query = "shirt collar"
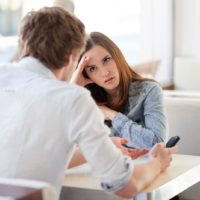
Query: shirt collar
(34, 65)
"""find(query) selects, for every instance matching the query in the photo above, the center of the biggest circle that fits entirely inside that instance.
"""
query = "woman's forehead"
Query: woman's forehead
(97, 49)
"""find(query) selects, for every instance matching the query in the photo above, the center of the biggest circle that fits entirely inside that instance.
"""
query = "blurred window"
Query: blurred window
(11, 11)
(120, 20)
(10, 14)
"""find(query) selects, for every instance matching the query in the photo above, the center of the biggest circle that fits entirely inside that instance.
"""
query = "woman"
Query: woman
(132, 104)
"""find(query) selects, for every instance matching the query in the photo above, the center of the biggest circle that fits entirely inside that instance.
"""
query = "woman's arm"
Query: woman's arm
(153, 129)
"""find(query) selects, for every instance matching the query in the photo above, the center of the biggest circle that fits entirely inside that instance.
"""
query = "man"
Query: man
(42, 117)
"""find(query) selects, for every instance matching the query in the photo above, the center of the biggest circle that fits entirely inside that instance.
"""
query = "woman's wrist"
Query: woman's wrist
(112, 114)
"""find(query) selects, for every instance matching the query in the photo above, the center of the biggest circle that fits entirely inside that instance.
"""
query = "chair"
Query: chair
(21, 189)
(183, 114)
(147, 69)
(186, 74)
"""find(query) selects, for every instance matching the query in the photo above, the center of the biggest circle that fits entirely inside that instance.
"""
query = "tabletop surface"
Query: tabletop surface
(183, 173)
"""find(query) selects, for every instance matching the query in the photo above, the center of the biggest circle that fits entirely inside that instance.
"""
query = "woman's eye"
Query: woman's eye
(92, 69)
(107, 59)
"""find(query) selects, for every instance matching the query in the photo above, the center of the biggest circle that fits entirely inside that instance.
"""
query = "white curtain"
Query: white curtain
(187, 28)
(157, 35)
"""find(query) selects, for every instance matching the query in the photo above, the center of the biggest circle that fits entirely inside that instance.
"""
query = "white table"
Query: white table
(182, 174)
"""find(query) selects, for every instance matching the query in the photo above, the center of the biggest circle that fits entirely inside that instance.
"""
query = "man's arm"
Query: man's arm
(77, 159)
(143, 174)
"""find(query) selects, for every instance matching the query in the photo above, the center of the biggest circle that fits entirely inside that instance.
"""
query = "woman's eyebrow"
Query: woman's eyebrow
(105, 56)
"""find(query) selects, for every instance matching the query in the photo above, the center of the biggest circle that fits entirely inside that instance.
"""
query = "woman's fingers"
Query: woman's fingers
(84, 60)
(124, 140)
(78, 76)
(135, 153)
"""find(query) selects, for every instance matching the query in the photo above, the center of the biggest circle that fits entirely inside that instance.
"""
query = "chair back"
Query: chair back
(21, 189)
(183, 115)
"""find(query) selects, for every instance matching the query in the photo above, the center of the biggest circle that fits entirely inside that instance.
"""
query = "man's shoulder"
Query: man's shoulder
(4, 65)
(72, 90)
(77, 88)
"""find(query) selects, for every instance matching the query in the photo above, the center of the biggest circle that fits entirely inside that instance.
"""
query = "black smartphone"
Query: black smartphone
(172, 141)
(127, 146)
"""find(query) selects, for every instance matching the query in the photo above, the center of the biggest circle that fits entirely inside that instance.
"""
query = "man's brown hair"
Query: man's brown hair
(51, 34)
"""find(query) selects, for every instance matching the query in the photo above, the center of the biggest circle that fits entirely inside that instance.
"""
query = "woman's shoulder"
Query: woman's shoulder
(146, 84)
(141, 90)
(146, 87)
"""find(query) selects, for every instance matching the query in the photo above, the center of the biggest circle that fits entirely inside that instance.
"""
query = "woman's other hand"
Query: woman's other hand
(133, 153)
(136, 153)
(108, 113)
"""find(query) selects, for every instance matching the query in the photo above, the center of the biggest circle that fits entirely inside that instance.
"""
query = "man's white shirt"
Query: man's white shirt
(42, 118)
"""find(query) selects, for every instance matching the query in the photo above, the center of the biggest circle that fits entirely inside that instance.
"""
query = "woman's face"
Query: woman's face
(102, 69)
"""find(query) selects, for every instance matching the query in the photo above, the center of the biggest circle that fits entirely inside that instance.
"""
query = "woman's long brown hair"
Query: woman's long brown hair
(127, 75)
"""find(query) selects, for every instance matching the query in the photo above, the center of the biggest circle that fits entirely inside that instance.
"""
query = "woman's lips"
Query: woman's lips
(109, 80)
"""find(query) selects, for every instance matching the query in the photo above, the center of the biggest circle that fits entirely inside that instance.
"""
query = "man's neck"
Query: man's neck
(59, 73)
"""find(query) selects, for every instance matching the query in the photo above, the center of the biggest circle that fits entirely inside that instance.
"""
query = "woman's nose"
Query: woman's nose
(105, 72)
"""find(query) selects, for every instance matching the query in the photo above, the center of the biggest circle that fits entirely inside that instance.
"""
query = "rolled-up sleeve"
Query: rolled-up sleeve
(122, 179)
(92, 135)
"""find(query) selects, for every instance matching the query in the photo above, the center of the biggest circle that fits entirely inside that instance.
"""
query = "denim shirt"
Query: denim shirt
(143, 120)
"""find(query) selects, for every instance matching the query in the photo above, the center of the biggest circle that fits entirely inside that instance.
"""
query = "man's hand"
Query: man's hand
(133, 153)
(163, 154)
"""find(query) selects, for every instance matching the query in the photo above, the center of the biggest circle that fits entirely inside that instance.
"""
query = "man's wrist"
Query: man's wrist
(155, 161)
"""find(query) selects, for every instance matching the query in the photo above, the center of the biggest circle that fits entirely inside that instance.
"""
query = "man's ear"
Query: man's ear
(70, 60)
(70, 67)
